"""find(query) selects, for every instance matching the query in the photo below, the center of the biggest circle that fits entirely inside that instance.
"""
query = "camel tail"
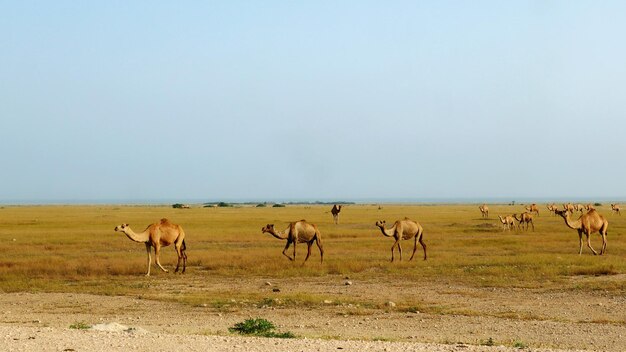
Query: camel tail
(184, 247)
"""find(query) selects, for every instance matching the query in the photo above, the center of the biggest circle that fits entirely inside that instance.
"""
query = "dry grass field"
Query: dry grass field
(474, 272)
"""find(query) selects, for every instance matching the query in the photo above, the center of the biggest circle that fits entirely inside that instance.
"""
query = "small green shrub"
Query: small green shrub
(259, 327)
(261, 205)
(80, 326)
(223, 205)
(519, 344)
(278, 205)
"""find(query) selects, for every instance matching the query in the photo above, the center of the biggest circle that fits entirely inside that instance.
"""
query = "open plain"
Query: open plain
(481, 288)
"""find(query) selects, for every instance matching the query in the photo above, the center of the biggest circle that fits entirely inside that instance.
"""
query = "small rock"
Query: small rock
(275, 290)
(390, 304)
(327, 301)
(267, 283)
(348, 283)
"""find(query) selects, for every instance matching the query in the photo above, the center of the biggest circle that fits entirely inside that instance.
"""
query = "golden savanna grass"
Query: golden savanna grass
(74, 249)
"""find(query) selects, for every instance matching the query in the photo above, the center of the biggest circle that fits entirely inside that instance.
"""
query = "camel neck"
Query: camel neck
(571, 224)
(384, 231)
(137, 237)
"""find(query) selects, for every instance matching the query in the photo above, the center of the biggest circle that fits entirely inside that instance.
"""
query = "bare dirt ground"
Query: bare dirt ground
(468, 318)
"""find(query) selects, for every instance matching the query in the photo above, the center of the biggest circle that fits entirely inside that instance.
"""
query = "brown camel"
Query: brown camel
(568, 207)
(157, 235)
(587, 224)
(615, 209)
(526, 218)
(298, 232)
(552, 208)
(484, 210)
(405, 230)
(533, 209)
(579, 207)
(589, 207)
(508, 223)
(335, 211)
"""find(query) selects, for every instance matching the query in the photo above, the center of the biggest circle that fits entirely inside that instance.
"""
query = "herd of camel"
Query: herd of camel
(586, 224)
(164, 233)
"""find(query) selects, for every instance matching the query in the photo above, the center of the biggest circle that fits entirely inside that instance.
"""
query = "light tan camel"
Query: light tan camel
(508, 223)
(157, 235)
(484, 210)
(589, 207)
(532, 209)
(552, 208)
(298, 232)
(579, 207)
(615, 209)
(587, 224)
(568, 207)
(405, 230)
(335, 211)
(526, 218)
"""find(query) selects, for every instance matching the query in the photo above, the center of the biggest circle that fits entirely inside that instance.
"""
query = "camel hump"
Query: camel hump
(303, 220)
(164, 221)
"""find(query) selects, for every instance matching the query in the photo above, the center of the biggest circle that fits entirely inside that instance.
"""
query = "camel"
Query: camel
(335, 211)
(524, 218)
(160, 234)
(589, 207)
(507, 222)
(403, 229)
(615, 208)
(298, 232)
(552, 208)
(587, 224)
(484, 210)
(579, 207)
(532, 209)
(568, 207)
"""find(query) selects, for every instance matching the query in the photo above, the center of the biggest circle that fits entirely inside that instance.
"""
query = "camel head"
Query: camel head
(268, 228)
(562, 213)
(121, 227)
(380, 223)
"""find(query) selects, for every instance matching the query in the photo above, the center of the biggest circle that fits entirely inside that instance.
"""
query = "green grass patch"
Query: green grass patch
(259, 327)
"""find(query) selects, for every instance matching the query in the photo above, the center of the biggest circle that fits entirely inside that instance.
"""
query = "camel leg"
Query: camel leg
(423, 246)
(392, 247)
(319, 245)
(400, 250)
(284, 250)
(603, 243)
(414, 247)
(157, 253)
(580, 241)
(149, 258)
(589, 244)
(180, 255)
(308, 253)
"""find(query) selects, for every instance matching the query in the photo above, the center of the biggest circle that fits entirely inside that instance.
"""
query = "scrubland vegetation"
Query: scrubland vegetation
(74, 249)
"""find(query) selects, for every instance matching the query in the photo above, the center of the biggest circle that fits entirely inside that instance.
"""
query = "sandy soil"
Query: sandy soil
(539, 320)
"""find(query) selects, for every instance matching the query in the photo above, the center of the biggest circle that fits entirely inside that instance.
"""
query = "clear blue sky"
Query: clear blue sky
(149, 100)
